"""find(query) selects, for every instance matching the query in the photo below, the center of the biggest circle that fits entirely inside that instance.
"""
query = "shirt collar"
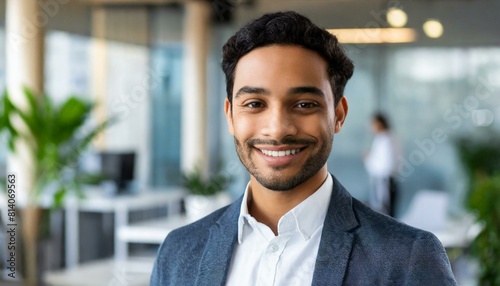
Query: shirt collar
(244, 215)
(306, 217)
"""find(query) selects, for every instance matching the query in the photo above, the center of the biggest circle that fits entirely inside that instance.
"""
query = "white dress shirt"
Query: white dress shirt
(261, 258)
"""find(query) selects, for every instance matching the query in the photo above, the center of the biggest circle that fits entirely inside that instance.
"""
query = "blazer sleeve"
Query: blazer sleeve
(157, 274)
(429, 264)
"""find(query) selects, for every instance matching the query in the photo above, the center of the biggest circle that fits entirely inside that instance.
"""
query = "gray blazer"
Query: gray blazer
(358, 247)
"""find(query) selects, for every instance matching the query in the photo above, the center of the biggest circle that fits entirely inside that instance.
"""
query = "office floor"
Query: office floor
(133, 272)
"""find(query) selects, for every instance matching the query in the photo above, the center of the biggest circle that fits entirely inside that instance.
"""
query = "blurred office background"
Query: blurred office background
(155, 65)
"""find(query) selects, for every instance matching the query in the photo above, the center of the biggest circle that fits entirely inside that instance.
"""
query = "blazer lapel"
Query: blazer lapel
(336, 239)
(216, 258)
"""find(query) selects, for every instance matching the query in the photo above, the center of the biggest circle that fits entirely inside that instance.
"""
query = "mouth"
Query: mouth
(280, 153)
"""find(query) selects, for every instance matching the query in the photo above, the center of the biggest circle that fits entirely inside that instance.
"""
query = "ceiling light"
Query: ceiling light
(396, 17)
(374, 35)
(433, 28)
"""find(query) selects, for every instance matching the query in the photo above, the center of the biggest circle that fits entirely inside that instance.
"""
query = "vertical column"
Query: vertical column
(194, 102)
(99, 69)
(24, 67)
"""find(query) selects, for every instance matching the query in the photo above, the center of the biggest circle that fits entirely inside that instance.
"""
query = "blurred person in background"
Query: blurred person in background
(381, 165)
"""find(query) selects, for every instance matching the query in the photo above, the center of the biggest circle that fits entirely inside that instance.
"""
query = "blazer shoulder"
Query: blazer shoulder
(178, 257)
(374, 222)
(414, 256)
(197, 229)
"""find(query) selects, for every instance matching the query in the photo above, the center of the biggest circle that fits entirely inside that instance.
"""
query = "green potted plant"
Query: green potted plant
(479, 154)
(205, 193)
(56, 138)
(485, 201)
(480, 158)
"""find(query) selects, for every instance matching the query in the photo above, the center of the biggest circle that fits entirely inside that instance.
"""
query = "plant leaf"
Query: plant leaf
(78, 146)
(70, 117)
(59, 197)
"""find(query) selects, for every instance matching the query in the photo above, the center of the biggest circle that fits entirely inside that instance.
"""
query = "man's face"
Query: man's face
(283, 117)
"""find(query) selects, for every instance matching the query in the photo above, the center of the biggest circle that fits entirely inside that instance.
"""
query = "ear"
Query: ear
(340, 114)
(229, 116)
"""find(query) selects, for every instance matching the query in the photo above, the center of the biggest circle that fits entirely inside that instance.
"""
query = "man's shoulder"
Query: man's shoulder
(179, 256)
(395, 252)
(382, 226)
(190, 240)
(370, 228)
(194, 235)
(196, 230)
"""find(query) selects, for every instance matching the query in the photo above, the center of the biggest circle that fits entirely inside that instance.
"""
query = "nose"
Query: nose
(279, 124)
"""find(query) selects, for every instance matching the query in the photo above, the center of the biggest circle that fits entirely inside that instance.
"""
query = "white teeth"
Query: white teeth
(280, 153)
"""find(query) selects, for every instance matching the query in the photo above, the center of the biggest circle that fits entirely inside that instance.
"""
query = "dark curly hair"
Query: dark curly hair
(287, 28)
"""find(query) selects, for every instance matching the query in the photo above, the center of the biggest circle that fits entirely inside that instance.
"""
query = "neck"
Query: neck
(268, 206)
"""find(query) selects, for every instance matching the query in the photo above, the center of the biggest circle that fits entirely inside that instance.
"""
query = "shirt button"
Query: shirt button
(273, 248)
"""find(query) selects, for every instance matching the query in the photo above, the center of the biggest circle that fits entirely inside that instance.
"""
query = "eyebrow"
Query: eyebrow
(293, 91)
(251, 90)
(306, 89)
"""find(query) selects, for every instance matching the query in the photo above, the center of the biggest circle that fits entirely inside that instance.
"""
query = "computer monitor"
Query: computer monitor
(118, 167)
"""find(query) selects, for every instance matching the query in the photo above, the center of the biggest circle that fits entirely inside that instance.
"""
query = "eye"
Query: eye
(254, 104)
(307, 105)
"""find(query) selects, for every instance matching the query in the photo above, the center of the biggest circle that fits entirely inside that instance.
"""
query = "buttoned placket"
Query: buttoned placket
(268, 265)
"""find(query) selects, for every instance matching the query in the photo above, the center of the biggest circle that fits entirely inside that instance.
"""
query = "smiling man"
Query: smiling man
(295, 224)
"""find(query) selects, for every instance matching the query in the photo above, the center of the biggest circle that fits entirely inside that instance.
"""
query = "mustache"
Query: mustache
(284, 141)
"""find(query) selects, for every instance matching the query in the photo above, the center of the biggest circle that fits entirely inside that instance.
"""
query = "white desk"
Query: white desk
(151, 231)
(458, 233)
(120, 205)
(429, 211)
(132, 272)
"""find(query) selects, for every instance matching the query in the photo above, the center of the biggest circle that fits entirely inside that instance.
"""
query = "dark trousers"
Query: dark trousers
(393, 192)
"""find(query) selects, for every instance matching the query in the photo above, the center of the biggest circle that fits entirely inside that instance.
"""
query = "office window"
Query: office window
(67, 65)
(166, 64)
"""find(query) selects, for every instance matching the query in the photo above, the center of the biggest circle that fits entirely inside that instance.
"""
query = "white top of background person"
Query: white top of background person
(381, 163)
